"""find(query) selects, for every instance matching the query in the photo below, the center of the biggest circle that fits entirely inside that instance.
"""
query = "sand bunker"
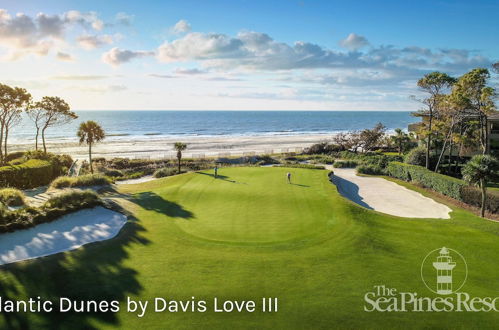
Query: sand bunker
(139, 180)
(388, 197)
(67, 233)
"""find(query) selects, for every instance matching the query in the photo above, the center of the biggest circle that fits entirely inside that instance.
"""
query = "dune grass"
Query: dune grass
(247, 235)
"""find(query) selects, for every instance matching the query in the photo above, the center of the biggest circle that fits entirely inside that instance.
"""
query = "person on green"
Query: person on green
(216, 171)
(289, 177)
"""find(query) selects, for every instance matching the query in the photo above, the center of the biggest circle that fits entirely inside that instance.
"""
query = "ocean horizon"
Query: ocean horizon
(147, 124)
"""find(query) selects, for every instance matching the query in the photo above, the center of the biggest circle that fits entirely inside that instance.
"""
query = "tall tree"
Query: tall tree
(480, 170)
(36, 113)
(434, 84)
(13, 101)
(179, 147)
(56, 113)
(90, 133)
(472, 88)
(370, 138)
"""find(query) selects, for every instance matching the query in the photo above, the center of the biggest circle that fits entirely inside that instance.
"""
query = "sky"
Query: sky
(241, 55)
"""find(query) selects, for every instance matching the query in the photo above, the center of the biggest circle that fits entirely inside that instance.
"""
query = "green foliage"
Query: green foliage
(480, 168)
(30, 174)
(346, 164)
(55, 207)
(473, 196)
(443, 184)
(416, 156)
(113, 173)
(370, 169)
(165, 171)
(305, 166)
(88, 180)
(322, 148)
(11, 197)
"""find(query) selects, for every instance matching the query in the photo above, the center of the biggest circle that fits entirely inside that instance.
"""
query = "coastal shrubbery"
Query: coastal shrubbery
(165, 171)
(345, 164)
(306, 166)
(11, 197)
(52, 209)
(370, 169)
(416, 156)
(32, 173)
(88, 180)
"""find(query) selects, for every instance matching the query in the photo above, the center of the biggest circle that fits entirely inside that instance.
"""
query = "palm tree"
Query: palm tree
(400, 138)
(179, 146)
(90, 132)
(480, 170)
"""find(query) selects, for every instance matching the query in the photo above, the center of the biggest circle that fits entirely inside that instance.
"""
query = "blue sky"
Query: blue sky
(317, 55)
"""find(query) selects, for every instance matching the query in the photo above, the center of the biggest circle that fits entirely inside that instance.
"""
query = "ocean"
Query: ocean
(142, 124)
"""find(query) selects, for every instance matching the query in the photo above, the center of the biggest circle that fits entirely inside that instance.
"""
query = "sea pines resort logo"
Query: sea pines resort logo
(444, 272)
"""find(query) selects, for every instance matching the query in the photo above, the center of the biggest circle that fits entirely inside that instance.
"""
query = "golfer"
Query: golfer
(289, 177)
(216, 171)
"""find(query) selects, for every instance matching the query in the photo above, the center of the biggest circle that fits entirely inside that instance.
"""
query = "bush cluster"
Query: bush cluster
(370, 169)
(165, 171)
(307, 166)
(52, 209)
(11, 197)
(322, 148)
(32, 173)
(88, 180)
(473, 196)
(345, 164)
(443, 184)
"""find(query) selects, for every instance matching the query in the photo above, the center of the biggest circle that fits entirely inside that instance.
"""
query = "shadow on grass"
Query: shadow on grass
(220, 177)
(153, 202)
(350, 190)
(93, 272)
(299, 185)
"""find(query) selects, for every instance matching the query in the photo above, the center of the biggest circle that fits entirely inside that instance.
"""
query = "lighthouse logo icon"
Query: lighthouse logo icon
(444, 271)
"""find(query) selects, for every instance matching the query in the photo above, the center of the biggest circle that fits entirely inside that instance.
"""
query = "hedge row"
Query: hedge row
(444, 184)
(33, 173)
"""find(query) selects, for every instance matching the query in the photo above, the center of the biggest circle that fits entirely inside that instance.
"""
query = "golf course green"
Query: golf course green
(249, 234)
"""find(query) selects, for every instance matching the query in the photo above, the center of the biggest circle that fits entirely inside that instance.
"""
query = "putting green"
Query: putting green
(251, 205)
(318, 253)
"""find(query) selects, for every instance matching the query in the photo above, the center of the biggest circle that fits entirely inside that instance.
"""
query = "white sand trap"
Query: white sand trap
(139, 180)
(388, 197)
(67, 233)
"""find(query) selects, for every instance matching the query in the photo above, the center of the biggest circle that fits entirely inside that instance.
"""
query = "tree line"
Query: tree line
(50, 111)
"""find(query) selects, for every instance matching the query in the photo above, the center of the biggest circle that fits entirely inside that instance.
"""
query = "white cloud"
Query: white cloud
(64, 57)
(184, 71)
(354, 42)
(94, 41)
(89, 19)
(124, 18)
(181, 26)
(117, 56)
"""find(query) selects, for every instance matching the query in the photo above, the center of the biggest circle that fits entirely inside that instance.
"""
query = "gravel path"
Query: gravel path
(387, 197)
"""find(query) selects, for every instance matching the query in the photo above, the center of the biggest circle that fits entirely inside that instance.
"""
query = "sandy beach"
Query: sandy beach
(161, 147)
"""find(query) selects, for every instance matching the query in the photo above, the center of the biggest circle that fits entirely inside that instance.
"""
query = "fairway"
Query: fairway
(248, 235)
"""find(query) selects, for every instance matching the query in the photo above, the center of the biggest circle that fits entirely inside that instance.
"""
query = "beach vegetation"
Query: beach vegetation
(165, 171)
(401, 140)
(55, 207)
(416, 156)
(88, 180)
(11, 197)
(90, 133)
(370, 169)
(346, 164)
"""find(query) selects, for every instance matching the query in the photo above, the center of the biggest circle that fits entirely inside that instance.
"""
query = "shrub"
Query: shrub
(72, 199)
(346, 164)
(165, 171)
(88, 180)
(322, 148)
(473, 196)
(323, 159)
(14, 156)
(416, 156)
(113, 173)
(11, 197)
(267, 160)
(33, 173)
(443, 184)
(370, 169)
(55, 207)
(306, 166)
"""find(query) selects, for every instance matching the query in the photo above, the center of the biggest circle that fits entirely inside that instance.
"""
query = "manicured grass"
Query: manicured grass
(249, 235)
